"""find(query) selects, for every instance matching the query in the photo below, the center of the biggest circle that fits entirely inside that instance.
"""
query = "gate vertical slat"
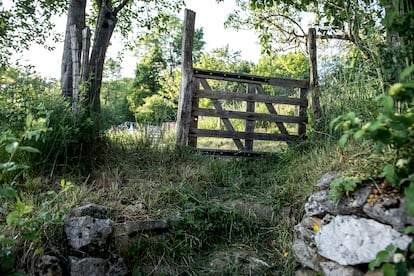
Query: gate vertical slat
(251, 89)
(192, 139)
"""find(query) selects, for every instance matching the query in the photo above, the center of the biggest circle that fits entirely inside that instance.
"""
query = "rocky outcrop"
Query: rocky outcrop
(341, 238)
(96, 244)
(350, 240)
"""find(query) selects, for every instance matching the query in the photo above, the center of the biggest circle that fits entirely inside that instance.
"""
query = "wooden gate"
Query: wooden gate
(195, 86)
(255, 93)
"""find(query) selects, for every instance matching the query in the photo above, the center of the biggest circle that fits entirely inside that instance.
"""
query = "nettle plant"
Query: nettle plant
(21, 219)
(390, 134)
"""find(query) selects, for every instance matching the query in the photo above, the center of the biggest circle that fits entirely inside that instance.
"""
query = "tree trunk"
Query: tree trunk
(104, 28)
(76, 16)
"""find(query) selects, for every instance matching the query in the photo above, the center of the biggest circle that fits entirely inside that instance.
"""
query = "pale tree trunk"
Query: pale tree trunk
(104, 28)
(92, 67)
(76, 16)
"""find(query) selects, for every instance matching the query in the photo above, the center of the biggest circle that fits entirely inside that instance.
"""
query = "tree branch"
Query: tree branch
(120, 6)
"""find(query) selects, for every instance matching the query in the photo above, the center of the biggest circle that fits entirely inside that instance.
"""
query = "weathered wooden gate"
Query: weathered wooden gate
(195, 86)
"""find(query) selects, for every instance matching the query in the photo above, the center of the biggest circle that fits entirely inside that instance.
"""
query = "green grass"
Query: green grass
(199, 189)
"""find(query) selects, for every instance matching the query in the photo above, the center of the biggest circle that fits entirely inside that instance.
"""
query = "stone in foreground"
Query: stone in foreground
(349, 240)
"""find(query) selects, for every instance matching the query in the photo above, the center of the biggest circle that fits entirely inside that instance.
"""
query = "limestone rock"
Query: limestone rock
(334, 269)
(305, 272)
(88, 234)
(126, 234)
(136, 226)
(319, 203)
(246, 261)
(117, 266)
(93, 210)
(135, 209)
(396, 217)
(88, 266)
(349, 240)
(113, 266)
(48, 265)
(305, 255)
(305, 230)
(325, 181)
(255, 210)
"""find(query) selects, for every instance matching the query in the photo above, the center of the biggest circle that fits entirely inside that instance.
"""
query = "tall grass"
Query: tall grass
(349, 83)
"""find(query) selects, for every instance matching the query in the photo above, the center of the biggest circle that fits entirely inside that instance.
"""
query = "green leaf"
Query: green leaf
(12, 218)
(6, 165)
(18, 167)
(388, 269)
(29, 149)
(31, 236)
(409, 193)
(359, 134)
(38, 251)
(388, 103)
(389, 173)
(382, 256)
(408, 230)
(7, 262)
(12, 147)
(342, 141)
(407, 71)
(8, 192)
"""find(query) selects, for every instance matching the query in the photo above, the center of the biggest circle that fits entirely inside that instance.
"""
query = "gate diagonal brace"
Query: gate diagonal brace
(226, 121)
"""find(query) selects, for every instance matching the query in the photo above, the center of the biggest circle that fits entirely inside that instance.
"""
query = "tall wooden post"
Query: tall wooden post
(75, 71)
(186, 90)
(313, 82)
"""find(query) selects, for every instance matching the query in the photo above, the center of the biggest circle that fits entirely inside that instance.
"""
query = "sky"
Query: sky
(209, 15)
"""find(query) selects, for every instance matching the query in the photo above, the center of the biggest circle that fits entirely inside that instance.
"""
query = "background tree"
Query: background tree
(23, 23)
(115, 106)
(157, 76)
(126, 15)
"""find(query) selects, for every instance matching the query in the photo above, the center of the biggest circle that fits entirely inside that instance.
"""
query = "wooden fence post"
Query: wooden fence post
(313, 82)
(86, 43)
(75, 71)
(186, 90)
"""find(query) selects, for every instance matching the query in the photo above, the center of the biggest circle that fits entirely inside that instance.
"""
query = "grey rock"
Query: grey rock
(304, 229)
(354, 203)
(48, 265)
(130, 227)
(88, 234)
(88, 266)
(391, 203)
(305, 272)
(136, 209)
(126, 234)
(117, 266)
(325, 181)
(246, 261)
(255, 210)
(305, 255)
(93, 210)
(335, 269)
(396, 217)
(319, 203)
(350, 240)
